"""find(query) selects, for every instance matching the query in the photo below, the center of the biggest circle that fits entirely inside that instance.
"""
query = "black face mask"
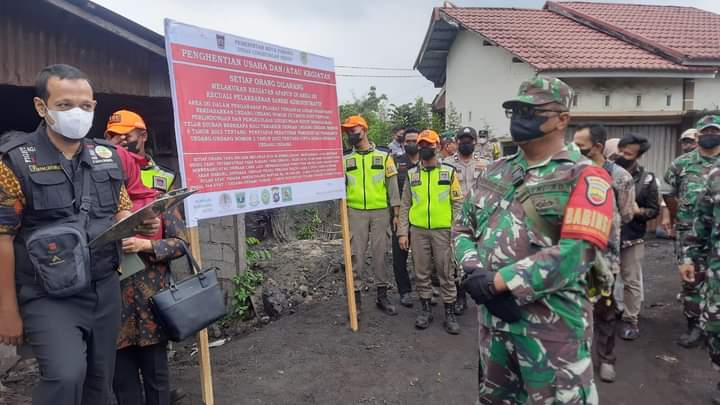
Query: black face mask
(709, 141)
(411, 149)
(427, 153)
(133, 147)
(586, 152)
(624, 163)
(466, 149)
(354, 138)
(526, 129)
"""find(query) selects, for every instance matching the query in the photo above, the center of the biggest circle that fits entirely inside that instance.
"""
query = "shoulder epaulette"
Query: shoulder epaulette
(12, 140)
(448, 165)
(103, 142)
(347, 152)
(383, 149)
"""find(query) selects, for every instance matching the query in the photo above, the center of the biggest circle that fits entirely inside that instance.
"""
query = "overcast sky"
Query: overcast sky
(376, 33)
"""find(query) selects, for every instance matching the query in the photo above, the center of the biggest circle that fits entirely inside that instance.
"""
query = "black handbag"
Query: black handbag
(190, 305)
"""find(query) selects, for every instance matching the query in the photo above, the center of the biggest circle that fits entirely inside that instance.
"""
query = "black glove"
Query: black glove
(504, 307)
(480, 284)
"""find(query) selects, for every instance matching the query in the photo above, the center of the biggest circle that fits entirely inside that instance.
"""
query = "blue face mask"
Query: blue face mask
(524, 129)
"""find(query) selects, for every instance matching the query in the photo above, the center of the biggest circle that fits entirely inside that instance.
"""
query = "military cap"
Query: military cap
(708, 121)
(542, 90)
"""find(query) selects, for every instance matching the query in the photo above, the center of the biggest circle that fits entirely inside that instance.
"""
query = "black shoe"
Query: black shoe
(461, 304)
(424, 317)
(176, 396)
(406, 300)
(694, 336)
(451, 324)
(629, 331)
(383, 302)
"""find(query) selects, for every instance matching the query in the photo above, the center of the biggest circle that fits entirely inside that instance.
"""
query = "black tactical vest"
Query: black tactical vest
(52, 195)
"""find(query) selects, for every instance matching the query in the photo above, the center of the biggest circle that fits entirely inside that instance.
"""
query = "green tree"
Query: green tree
(416, 115)
(452, 118)
(372, 107)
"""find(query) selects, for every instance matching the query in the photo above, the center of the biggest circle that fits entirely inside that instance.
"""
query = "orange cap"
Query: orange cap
(353, 121)
(124, 121)
(429, 136)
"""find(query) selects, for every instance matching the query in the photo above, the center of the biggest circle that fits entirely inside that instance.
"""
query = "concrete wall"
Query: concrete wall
(479, 78)
(623, 93)
(222, 243)
(707, 94)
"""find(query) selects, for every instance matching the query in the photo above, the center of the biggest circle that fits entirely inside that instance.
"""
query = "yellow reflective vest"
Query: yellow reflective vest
(432, 196)
(157, 177)
(365, 174)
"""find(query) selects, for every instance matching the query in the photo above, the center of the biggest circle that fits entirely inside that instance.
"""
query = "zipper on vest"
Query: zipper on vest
(428, 198)
(363, 181)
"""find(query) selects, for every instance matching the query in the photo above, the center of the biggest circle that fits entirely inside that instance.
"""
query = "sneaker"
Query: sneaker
(629, 331)
(607, 372)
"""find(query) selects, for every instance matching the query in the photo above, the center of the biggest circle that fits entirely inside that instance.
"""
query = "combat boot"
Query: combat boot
(383, 302)
(424, 317)
(694, 336)
(461, 304)
(451, 324)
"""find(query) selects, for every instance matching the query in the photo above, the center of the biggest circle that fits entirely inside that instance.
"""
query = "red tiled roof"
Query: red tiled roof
(687, 32)
(549, 41)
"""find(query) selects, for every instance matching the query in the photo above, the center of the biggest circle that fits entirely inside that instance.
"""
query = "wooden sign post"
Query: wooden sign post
(347, 254)
(202, 336)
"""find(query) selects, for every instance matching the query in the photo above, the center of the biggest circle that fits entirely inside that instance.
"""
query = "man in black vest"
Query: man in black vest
(54, 176)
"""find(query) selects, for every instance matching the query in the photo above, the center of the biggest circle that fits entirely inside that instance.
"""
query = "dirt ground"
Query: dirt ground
(309, 356)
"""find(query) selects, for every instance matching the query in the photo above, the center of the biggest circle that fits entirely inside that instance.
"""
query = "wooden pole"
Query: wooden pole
(347, 253)
(202, 336)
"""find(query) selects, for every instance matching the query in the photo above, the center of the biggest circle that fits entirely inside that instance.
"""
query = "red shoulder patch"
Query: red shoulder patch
(589, 212)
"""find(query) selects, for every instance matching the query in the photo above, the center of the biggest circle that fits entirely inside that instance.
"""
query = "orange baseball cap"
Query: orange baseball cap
(124, 121)
(353, 121)
(429, 136)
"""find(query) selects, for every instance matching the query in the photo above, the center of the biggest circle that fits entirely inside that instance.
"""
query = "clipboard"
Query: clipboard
(126, 228)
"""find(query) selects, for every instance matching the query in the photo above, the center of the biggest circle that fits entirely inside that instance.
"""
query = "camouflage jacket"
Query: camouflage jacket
(546, 278)
(686, 177)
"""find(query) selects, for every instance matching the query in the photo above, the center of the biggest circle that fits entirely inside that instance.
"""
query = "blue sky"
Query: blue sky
(384, 33)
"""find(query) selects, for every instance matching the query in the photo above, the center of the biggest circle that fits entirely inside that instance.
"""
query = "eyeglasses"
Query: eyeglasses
(527, 111)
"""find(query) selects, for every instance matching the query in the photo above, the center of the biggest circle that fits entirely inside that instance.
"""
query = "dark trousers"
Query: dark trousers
(152, 363)
(605, 322)
(74, 340)
(400, 257)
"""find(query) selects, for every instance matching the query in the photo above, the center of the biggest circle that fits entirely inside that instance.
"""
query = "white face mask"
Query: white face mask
(72, 124)
(482, 141)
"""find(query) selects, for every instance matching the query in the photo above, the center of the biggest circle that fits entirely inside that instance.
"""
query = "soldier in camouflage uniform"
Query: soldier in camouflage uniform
(526, 238)
(702, 245)
(686, 177)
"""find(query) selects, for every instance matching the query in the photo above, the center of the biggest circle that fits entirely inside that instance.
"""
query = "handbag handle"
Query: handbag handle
(194, 266)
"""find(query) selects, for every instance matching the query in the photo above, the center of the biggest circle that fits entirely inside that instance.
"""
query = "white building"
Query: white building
(652, 70)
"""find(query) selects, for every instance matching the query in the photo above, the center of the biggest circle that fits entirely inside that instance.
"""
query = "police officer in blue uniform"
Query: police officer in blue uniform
(59, 190)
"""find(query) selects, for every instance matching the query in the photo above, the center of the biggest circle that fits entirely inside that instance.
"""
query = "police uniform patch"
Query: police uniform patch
(377, 161)
(351, 164)
(444, 176)
(597, 189)
(103, 152)
(415, 178)
(159, 182)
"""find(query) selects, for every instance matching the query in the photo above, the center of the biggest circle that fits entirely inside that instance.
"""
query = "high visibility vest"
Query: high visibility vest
(156, 177)
(431, 206)
(365, 179)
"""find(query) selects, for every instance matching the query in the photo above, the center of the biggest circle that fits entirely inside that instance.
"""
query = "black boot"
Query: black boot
(383, 302)
(424, 317)
(406, 300)
(461, 303)
(694, 336)
(451, 324)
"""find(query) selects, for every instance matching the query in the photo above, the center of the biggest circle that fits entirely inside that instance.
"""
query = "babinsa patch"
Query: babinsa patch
(597, 189)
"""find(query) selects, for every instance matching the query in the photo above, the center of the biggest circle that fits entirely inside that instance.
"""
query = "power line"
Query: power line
(373, 67)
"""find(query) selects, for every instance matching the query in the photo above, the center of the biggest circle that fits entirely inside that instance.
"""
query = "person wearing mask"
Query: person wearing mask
(700, 246)
(632, 147)
(58, 191)
(372, 188)
(141, 366)
(526, 253)
(489, 151)
(686, 177)
(404, 163)
(590, 139)
(468, 166)
(429, 201)
(688, 140)
(396, 146)
(448, 146)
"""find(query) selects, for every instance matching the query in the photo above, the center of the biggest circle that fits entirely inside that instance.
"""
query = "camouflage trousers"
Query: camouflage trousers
(691, 294)
(517, 369)
(710, 318)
